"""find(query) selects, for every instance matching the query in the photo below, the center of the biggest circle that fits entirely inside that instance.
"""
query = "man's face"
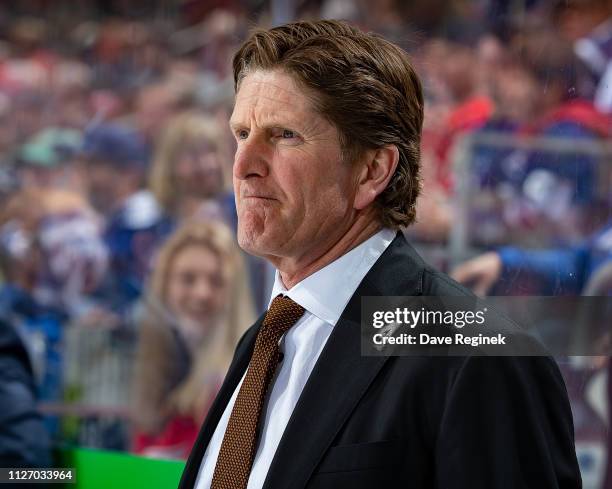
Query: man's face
(294, 194)
(101, 181)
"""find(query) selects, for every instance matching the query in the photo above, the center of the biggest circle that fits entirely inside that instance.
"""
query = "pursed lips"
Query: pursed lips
(257, 196)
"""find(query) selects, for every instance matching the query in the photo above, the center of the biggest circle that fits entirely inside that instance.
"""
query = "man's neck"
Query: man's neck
(293, 272)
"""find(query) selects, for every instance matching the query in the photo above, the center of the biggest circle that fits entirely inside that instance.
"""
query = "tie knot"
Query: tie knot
(282, 314)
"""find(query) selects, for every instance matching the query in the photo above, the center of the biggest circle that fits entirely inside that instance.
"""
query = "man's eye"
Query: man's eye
(242, 134)
(287, 134)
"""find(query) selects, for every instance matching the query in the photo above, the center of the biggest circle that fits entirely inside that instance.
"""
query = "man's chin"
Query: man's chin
(251, 243)
(258, 244)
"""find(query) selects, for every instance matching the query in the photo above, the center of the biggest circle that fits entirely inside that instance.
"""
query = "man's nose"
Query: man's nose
(251, 159)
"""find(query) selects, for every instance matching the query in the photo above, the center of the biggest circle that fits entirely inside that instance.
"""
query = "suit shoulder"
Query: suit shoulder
(436, 283)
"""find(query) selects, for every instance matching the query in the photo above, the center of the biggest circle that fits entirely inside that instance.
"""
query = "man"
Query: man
(327, 121)
(115, 159)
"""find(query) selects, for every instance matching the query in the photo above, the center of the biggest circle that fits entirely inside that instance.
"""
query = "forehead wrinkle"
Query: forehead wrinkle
(270, 103)
(311, 124)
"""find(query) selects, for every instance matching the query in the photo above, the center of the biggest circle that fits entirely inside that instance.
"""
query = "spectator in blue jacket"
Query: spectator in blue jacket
(24, 441)
(116, 159)
(563, 271)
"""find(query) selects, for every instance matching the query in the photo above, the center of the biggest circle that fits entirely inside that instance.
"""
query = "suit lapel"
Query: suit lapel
(235, 372)
(341, 375)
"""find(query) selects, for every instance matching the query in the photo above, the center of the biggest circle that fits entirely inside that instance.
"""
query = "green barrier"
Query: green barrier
(98, 469)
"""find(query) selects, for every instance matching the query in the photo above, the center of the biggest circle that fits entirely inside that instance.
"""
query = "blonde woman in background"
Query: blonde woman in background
(189, 176)
(195, 311)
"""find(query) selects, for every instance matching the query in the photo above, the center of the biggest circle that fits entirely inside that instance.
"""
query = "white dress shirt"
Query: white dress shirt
(324, 295)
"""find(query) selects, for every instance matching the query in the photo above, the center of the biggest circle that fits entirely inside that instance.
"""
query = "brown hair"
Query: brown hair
(364, 85)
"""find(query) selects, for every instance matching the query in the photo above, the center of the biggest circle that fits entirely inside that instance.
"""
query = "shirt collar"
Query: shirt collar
(326, 292)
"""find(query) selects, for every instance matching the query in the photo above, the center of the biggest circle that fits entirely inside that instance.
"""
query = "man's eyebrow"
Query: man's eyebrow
(268, 123)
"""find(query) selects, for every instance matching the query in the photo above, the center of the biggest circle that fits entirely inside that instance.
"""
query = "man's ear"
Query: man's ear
(378, 166)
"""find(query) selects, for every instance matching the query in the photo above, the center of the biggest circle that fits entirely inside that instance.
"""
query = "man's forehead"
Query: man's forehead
(269, 93)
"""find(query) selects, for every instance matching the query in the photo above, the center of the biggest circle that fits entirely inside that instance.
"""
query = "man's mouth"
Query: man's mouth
(258, 197)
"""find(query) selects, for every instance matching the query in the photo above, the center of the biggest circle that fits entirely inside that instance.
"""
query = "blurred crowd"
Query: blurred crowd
(116, 204)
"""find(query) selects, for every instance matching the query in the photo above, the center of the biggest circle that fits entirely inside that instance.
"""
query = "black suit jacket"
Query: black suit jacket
(413, 422)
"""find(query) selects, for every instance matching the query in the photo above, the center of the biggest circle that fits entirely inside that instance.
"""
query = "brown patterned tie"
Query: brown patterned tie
(240, 440)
